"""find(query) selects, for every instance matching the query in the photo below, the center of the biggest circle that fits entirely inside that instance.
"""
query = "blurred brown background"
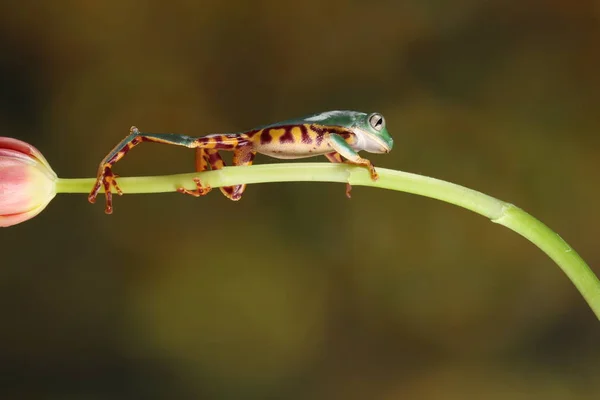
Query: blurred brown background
(296, 292)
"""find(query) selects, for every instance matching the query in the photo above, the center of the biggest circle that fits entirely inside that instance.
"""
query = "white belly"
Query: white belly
(294, 150)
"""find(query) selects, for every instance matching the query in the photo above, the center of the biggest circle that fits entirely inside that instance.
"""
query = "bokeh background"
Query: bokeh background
(296, 292)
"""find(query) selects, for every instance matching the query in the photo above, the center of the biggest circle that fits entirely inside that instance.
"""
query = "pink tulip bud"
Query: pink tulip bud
(27, 183)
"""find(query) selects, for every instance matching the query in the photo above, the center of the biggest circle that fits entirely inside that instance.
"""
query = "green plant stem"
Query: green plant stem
(496, 210)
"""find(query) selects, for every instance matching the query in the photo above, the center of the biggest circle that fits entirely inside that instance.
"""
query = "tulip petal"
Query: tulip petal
(13, 219)
(22, 147)
(27, 183)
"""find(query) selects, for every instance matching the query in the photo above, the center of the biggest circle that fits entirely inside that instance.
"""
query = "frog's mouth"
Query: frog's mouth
(372, 143)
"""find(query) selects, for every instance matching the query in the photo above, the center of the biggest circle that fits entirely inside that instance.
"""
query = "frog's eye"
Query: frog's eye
(377, 121)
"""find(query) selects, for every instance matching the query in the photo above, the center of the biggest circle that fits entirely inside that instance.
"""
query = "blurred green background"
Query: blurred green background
(296, 292)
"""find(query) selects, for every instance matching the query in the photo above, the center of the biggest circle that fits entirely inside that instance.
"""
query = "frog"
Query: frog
(338, 135)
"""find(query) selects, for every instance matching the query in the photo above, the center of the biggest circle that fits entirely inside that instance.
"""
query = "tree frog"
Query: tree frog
(338, 135)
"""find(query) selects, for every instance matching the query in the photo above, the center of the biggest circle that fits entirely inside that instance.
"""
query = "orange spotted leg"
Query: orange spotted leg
(241, 156)
(204, 157)
(336, 157)
(106, 178)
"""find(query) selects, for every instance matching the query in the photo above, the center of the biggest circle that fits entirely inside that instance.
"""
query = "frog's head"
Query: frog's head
(370, 130)
(372, 134)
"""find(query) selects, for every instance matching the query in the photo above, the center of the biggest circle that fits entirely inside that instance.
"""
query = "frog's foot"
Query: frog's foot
(201, 190)
(366, 163)
(372, 172)
(106, 178)
(233, 193)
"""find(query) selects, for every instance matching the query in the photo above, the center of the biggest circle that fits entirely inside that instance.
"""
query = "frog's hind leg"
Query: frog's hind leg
(212, 158)
(202, 162)
(336, 157)
(107, 179)
(243, 156)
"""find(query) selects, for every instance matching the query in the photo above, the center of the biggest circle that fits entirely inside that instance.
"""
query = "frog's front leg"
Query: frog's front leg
(345, 150)
(337, 158)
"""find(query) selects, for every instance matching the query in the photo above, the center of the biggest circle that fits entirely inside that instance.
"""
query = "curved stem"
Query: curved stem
(496, 210)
